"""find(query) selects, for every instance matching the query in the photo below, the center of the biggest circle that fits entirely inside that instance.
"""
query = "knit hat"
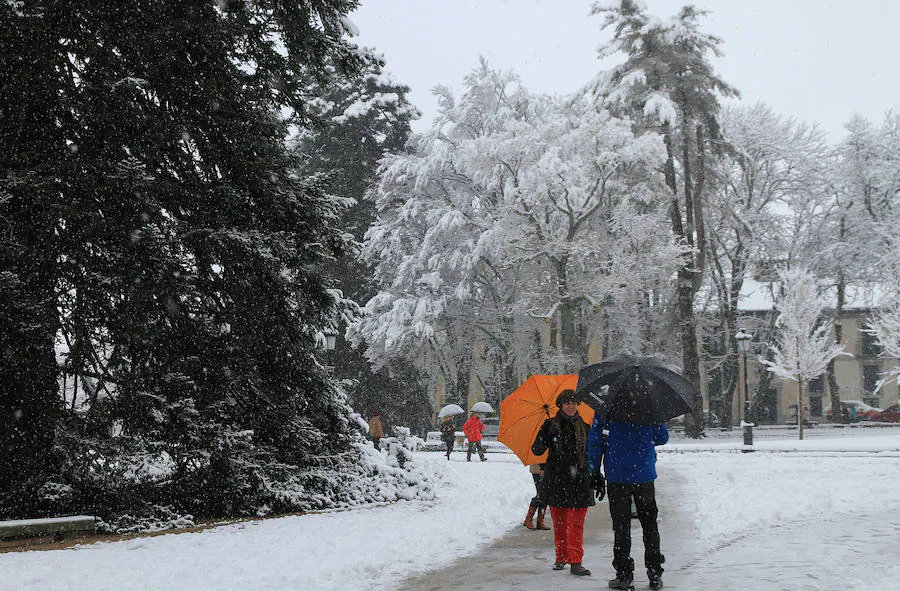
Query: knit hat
(565, 396)
(376, 413)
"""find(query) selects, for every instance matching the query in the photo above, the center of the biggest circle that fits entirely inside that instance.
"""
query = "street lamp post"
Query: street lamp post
(743, 344)
(330, 341)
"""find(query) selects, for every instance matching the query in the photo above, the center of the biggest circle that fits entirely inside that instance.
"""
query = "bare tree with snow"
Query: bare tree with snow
(885, 323)
(803, 344)
(513, 211)
(768, 162)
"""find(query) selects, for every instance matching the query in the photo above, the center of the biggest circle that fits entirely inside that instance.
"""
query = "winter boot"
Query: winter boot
(656, 582)
(579, 571)
(622, 581)
(559, 565)
(540, 518)
(528, 518)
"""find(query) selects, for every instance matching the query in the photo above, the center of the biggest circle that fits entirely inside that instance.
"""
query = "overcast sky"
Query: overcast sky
(819, 61)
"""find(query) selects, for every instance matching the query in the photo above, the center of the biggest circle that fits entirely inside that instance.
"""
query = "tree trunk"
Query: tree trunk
(694, 421)
(833, 387)
(730, 385)
(461, 386)
(567, 331)
(697, 207)
(799, 396)
(689, 275)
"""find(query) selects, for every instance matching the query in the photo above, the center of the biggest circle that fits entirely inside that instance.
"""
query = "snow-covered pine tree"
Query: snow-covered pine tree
(33, 152)
(667, 83)
(358, 116)
(160, 212)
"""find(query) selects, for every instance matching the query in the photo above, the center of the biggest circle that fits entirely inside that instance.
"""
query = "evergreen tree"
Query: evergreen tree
(32, 153)
(358, 117)
(164, 232)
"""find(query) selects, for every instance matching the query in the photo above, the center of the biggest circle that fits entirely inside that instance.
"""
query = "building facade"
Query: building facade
(857, 375)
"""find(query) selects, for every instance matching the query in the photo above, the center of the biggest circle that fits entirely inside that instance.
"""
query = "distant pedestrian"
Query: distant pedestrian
(628, 453)
(537, 503)
(376, 431)
(566, 485)
(473, 428)
(448, 433)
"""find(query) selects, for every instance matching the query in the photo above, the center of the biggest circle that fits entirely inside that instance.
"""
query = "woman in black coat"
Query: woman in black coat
(567, 481)
(448, 433)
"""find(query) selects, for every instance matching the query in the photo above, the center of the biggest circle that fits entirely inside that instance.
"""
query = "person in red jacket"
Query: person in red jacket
(473, 430)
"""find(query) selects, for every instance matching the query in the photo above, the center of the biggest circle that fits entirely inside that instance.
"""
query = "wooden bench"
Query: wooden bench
(47, 526)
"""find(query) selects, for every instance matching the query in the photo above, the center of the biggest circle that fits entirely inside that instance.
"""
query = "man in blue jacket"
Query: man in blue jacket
(628, 453)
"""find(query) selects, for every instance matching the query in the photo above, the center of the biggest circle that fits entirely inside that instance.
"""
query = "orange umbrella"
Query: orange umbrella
(524, 411)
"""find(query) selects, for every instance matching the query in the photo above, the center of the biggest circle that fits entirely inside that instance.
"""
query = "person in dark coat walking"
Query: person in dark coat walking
(628, 452)
(567, 481)
(448, 433)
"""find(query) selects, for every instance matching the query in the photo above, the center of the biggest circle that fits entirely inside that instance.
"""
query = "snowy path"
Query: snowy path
(522, 559)
(803, 516)
(858, 551)
(796, 521)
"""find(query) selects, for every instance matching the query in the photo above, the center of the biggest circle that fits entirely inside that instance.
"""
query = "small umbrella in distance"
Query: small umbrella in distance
(450, 410)
(638, 390)
(524, 411)
(481, 407)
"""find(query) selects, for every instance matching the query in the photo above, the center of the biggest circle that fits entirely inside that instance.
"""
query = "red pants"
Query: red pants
(568, 533)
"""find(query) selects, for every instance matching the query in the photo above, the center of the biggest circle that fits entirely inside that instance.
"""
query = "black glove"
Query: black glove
(554, 431)
(598, 483)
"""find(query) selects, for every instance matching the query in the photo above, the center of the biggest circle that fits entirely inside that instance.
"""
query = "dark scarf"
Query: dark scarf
(581, 434)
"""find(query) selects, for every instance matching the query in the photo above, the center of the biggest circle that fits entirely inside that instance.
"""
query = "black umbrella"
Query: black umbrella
(635, 389)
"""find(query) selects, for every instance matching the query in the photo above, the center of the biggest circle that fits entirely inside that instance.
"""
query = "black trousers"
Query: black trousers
(644, 495)
(473, 445)
(538, 500)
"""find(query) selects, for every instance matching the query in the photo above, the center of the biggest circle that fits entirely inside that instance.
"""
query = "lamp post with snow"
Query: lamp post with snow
(330, 341)
(743, 344)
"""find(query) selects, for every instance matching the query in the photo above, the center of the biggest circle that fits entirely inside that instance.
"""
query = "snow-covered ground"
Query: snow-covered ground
(828, 500)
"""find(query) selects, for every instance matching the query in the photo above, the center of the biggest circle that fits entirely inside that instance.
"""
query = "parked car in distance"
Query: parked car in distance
(792, 417)
(863, 411)
(889, 415)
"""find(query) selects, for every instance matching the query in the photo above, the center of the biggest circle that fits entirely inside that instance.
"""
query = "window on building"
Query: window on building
(817, 384)
(870, 377)
(869, 346)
